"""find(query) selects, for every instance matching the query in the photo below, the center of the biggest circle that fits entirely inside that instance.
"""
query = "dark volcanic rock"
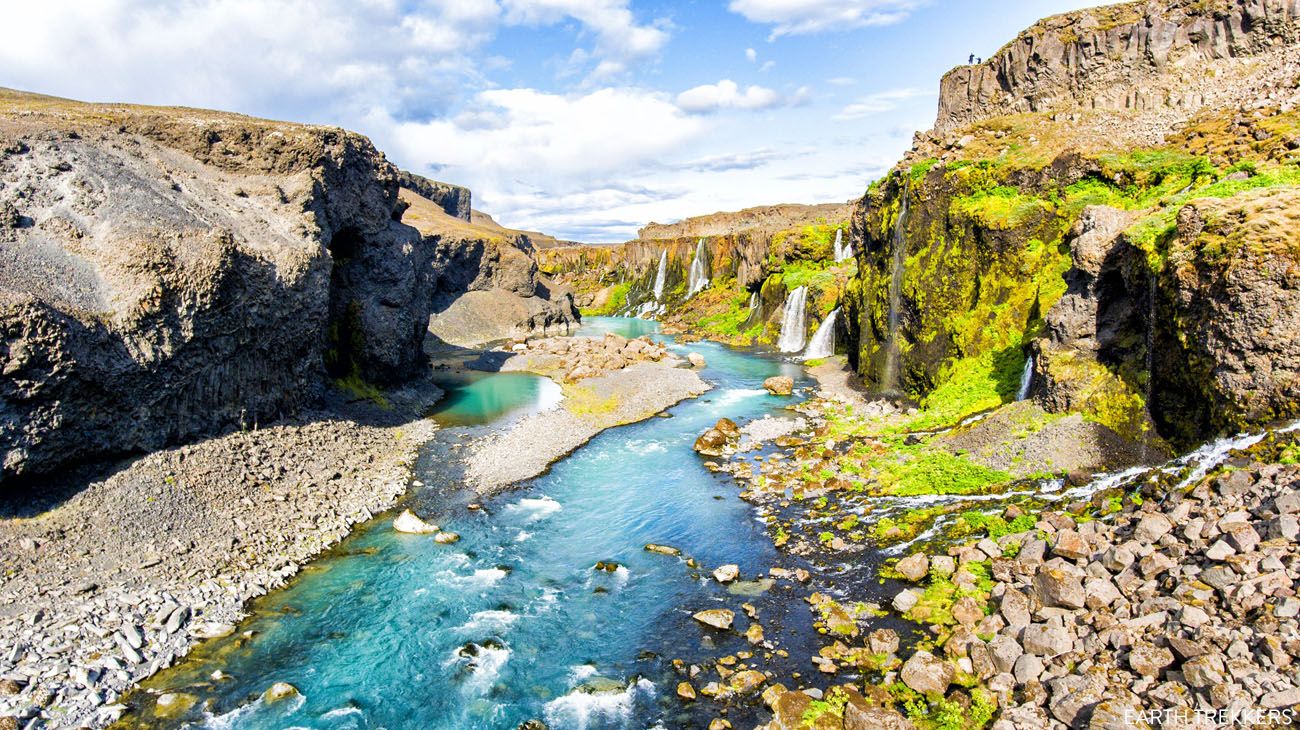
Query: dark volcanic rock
(173, 272)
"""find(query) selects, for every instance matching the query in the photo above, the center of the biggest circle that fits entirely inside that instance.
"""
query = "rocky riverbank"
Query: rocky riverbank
(118, 574)
(607, 382)
(1138, 598)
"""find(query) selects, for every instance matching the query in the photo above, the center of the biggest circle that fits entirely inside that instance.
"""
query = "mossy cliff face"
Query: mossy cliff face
(750, 273)
(1135, 254)
(170, 272)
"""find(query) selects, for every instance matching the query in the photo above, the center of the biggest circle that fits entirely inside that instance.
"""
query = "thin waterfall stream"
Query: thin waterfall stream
(889, 377)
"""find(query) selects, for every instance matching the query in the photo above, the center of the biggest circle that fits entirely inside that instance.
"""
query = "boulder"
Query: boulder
(1055, 587)
(726, 573)
(696, 360)
(278, 692)
(717, 618)
(411, 524)
(927, 674)
(711, 442)
(779, 385)
(914, 567)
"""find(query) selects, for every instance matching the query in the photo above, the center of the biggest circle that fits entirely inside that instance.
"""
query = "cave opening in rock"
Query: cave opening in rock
(343, 344)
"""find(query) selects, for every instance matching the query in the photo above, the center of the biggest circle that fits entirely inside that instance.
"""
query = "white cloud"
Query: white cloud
(796, 17)
(842, 81)
(619, 38)
(336, 58)
(751, 55)
(554, 139)
(331, 61)
(726, 94)
(878, 103)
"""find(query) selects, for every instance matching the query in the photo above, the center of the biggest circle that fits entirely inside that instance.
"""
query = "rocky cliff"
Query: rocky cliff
(167, 272)
(1053, 215)
(1175, 56)
(489, 286)
(745, 257)
(453, 199)
(764, 219)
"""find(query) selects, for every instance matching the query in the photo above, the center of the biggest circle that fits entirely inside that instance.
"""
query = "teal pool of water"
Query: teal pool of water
(513, 622)
(475, 398)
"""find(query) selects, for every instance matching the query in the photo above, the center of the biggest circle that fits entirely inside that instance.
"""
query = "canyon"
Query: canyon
(1008, 441)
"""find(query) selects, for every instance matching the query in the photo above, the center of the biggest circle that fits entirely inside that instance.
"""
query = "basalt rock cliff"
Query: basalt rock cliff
(1106, 196)
(489, 286)
(167, 273)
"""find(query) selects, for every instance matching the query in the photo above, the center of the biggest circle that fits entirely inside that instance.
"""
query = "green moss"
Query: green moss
(617, 300)
(938, 472)
(360, 389)
(1001, 208)
(969, 386)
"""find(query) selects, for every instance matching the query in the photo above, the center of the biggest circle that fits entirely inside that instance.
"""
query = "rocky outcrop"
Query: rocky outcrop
(168, 272)
(1179, 55)
(453, 199)
(765, 218)
(488, 286)
(1228, 347)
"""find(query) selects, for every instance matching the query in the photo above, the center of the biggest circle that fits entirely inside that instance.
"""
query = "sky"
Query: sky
(584, 119)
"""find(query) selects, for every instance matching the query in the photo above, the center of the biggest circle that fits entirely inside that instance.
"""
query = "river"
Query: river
(512, 623)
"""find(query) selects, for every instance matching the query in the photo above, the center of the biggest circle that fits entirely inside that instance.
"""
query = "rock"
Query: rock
(1046, 641)
(754, 634)
(905, 600)
(726, 573)
(967, 611)
(409, 523)
(9, 687)
(728, 428)
(1004, 652)
(926, 673)
(883, 641)
(874, 718)
(779, 385)
(1219, 551)
(711, 442)
(718, 723)
(1148, 660)
(278, 692)
(943, 565)
(174, 704)
(1152, 527)
(696, 360)
(718, 618)
(1071, 545)
(1028, 669)
(662, 549)
(446, 537)
(1015, 608)
(914, 567)
(1055, 587)
(686, 691)
(745, 682)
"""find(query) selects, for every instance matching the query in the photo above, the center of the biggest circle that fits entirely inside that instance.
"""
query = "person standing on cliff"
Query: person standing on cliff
(971, 60)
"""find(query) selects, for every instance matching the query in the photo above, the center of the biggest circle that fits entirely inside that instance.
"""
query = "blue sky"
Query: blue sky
(581, 118)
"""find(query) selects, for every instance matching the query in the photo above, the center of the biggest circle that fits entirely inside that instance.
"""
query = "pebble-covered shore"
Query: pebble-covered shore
(116, 578)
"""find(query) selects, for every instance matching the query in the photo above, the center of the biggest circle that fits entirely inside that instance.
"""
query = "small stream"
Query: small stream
(513, 623)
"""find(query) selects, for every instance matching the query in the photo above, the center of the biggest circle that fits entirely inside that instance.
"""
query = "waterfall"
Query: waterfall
(822, 343)
(1026, 379)
(843, 251)
(753, 301)
(697, 281)
(661, 275)
(889, 378)
(793, 325)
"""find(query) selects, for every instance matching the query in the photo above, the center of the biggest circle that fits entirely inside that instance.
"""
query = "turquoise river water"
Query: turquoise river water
(512, 623)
